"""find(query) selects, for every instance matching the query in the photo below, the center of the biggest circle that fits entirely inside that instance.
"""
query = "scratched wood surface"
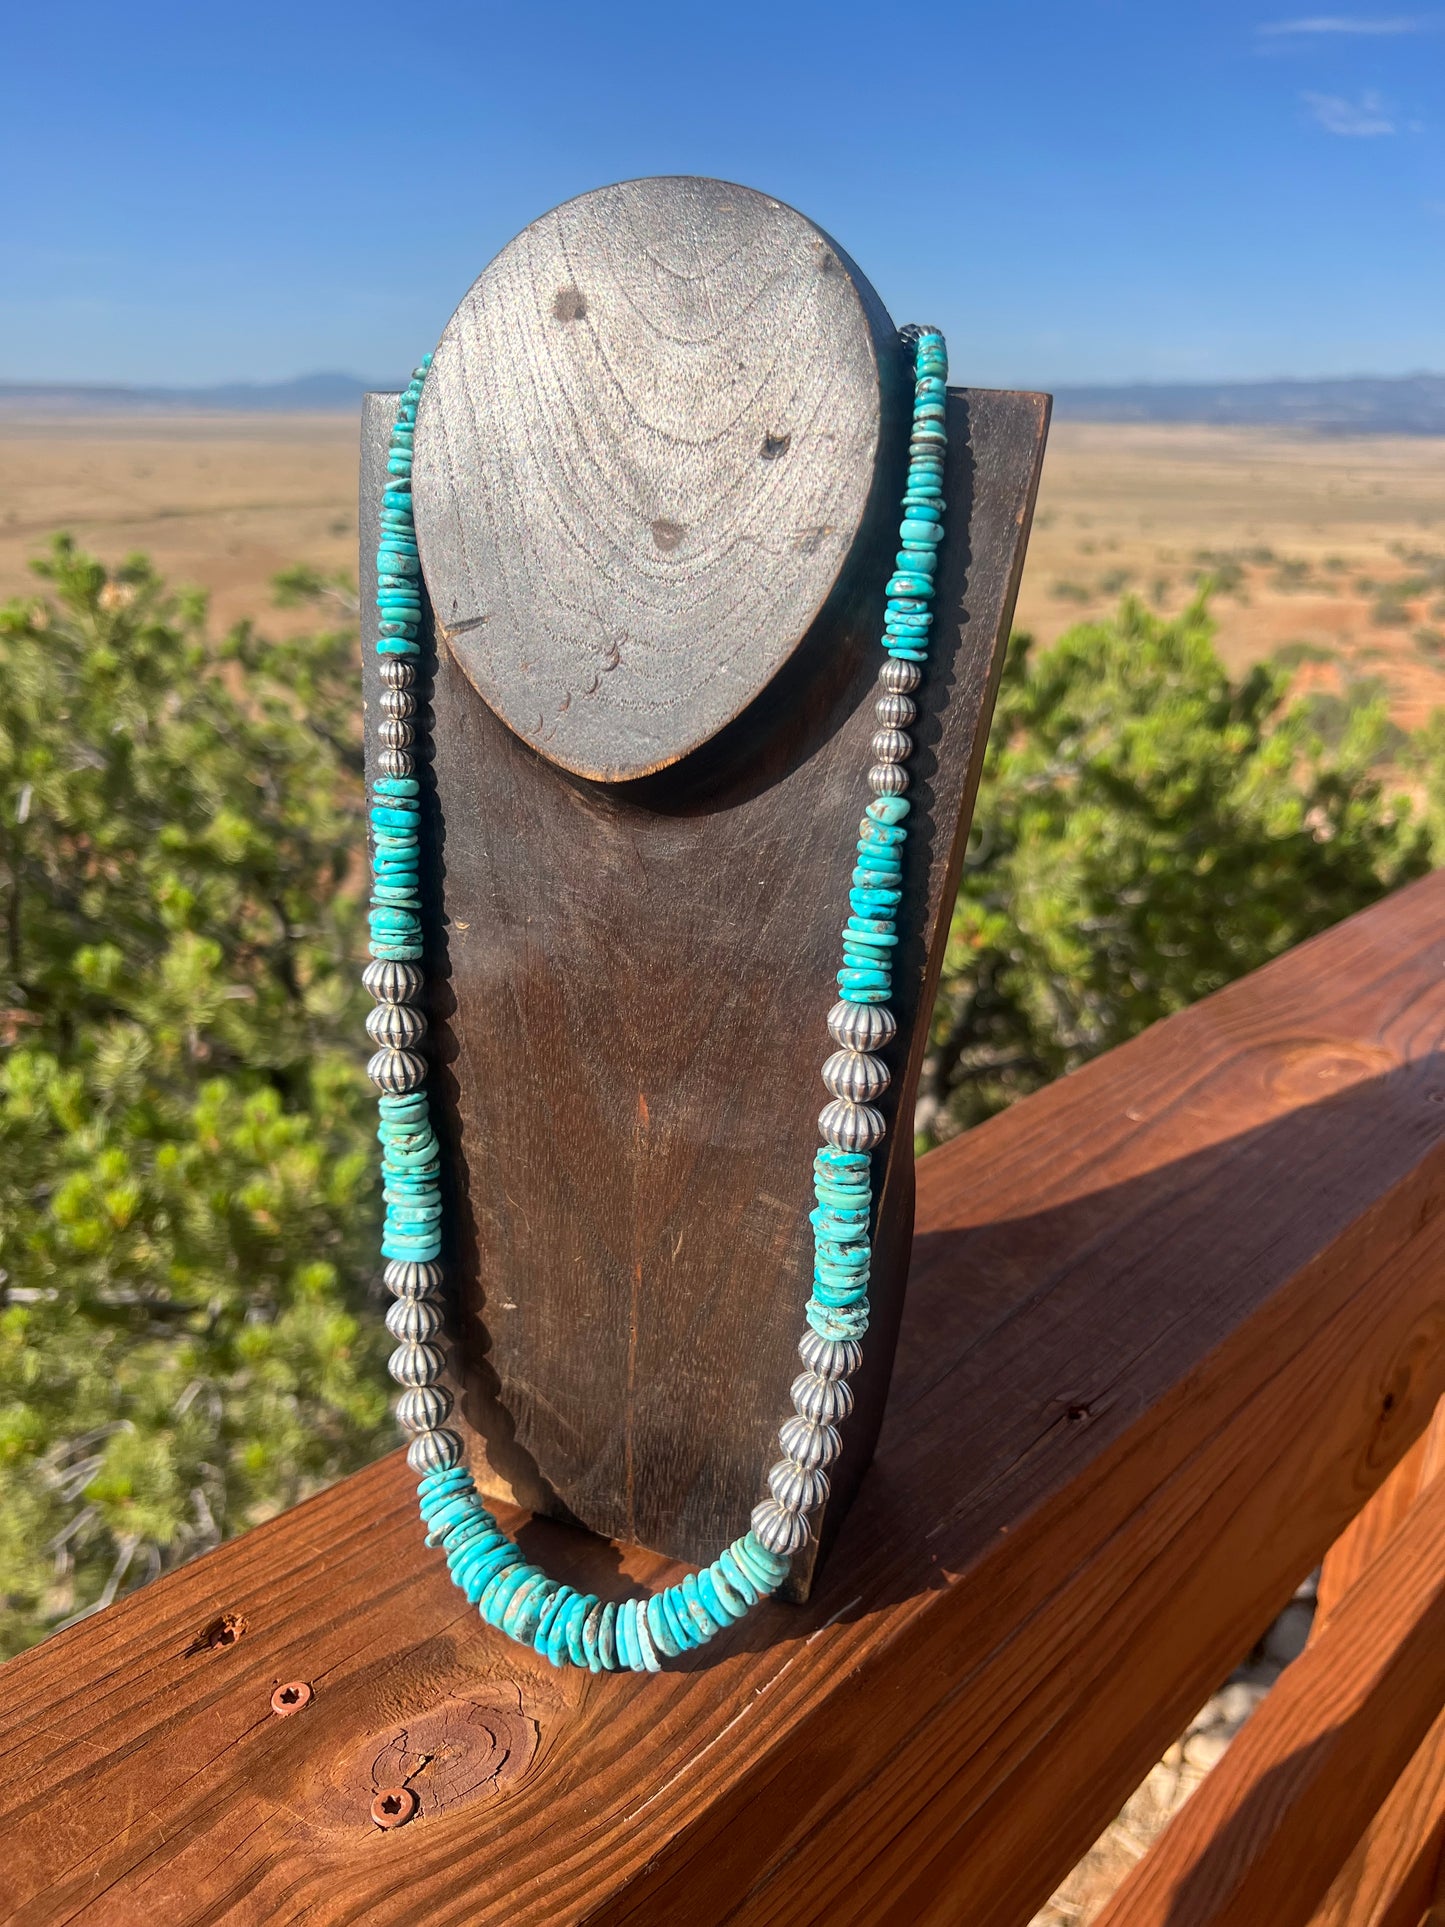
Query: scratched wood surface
(1171, 1322)
(1264, 1837)
(629, 984)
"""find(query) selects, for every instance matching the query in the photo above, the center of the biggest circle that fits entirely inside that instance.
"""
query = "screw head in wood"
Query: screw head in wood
(291, 1697)
(394, 1806)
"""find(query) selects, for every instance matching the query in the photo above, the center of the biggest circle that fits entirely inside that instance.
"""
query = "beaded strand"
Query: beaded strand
(566, 1626)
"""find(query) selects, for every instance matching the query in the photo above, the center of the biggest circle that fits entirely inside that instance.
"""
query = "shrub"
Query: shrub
(187, 1208)
(1148, 829)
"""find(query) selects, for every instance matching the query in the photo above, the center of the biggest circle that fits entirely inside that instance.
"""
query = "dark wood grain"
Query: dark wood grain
(1264, 1837)
(651, 437)
(629, 990)
(1172, 1322)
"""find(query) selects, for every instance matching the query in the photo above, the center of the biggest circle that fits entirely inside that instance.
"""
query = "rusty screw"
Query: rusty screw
(394, 1806)
(291, 1697)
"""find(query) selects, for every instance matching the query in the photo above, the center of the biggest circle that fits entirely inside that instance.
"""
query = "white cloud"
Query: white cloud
(1362, 118)
(1345, 23)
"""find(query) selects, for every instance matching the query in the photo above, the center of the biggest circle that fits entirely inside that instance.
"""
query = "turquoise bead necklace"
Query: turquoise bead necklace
(567, 1626)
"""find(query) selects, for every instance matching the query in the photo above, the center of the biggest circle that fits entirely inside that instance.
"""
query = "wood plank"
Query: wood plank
(1267, 1832)
(1393, 1874)
(1171, 1322)
(1389, 1879)
(631, 1211)
(1365, 1537)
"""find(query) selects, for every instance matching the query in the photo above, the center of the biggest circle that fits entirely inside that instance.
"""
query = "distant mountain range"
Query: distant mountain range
(1357, 405)
(324, 393)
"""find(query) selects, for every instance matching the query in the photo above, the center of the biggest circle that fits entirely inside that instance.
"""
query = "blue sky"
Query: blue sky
(1092, 191)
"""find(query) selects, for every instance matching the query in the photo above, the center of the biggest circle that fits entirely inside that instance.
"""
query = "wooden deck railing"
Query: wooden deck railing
(1171, 1323)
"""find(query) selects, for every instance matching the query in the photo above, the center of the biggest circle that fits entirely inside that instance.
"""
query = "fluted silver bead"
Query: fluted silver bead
(826, 1399)
(810, 1443)
(829, 1357)
(395, 762)
(854, 1074)
(397, 1071)
(398, 672)
(395, 734)
(899, 677)
(396, 1025)
(398, 702)
(862, 1026)
(434, 1451)
(795, 1487)
(891, 746)
(417, 1364)
(780, 1531)
(422, 1408)
(851, 1127)
(411, 1321)
(412, 1277)
(888, 779)
(391, 982)
(895, 712)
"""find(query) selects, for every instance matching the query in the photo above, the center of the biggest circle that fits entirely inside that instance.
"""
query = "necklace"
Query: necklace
(519, 1599)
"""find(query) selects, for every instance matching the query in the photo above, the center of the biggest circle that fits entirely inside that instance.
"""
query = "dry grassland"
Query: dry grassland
(1332, 551)
(221, 502)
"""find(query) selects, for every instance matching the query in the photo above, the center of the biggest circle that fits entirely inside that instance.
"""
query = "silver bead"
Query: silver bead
(899, 677)
(396, 735)
(781, 1532)
(417, 1364)
(398, 702)
(434, 1451)
(413, 1320)
(888, 779)
(422, 1408)
(393, 983)
(862, 1026)
(826, 1399)
(808, 1442)
(851, 1127)
(412, 1277)
(398, 672)
(795, 1487)
(829, 1357)
(891, 746)
(895, 712)
(395, 1024)
(397, 1071)
(395, 762)
(847, 1073)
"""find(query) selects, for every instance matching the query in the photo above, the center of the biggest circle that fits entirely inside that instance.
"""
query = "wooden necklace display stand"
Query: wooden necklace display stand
(657, 478)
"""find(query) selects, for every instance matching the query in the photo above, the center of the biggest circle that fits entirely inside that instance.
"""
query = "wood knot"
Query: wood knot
(774, 446)
(457, 1751)
(1304, 1070)
(570, 305)
(667, 534)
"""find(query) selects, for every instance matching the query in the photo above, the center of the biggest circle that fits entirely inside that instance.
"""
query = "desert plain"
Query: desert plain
(1326, 551)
